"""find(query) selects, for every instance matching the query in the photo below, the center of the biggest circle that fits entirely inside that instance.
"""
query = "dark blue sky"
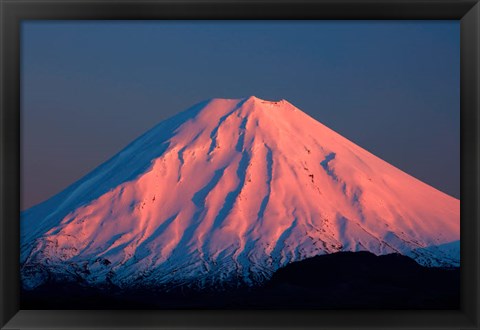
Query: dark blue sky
(89, 88)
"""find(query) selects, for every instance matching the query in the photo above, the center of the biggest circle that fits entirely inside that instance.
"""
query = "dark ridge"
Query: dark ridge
(345, 280)
(361, 280)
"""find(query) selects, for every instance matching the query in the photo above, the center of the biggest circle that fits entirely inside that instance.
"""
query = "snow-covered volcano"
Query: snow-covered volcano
(227, 192)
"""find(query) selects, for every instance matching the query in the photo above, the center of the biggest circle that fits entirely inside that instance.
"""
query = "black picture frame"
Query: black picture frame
(14, 11)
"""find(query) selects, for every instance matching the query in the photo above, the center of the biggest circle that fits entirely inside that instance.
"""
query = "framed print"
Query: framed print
(238, 164)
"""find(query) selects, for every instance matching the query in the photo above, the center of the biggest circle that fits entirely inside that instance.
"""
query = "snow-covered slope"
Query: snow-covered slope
(227, 192)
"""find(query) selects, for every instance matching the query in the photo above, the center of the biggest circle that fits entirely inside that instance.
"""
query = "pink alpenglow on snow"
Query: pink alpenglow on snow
(232, 190)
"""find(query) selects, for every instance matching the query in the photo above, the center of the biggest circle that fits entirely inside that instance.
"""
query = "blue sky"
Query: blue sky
(90, 87)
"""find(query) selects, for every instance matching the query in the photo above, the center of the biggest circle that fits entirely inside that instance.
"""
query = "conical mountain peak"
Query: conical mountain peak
(231, 189)
(262, 101)
(248, 105)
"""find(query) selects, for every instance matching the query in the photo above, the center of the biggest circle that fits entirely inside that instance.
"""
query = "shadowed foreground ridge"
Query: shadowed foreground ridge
(223, 195)
(344, 280)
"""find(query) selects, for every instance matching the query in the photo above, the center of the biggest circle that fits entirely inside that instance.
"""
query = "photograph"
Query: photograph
(240, 165)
